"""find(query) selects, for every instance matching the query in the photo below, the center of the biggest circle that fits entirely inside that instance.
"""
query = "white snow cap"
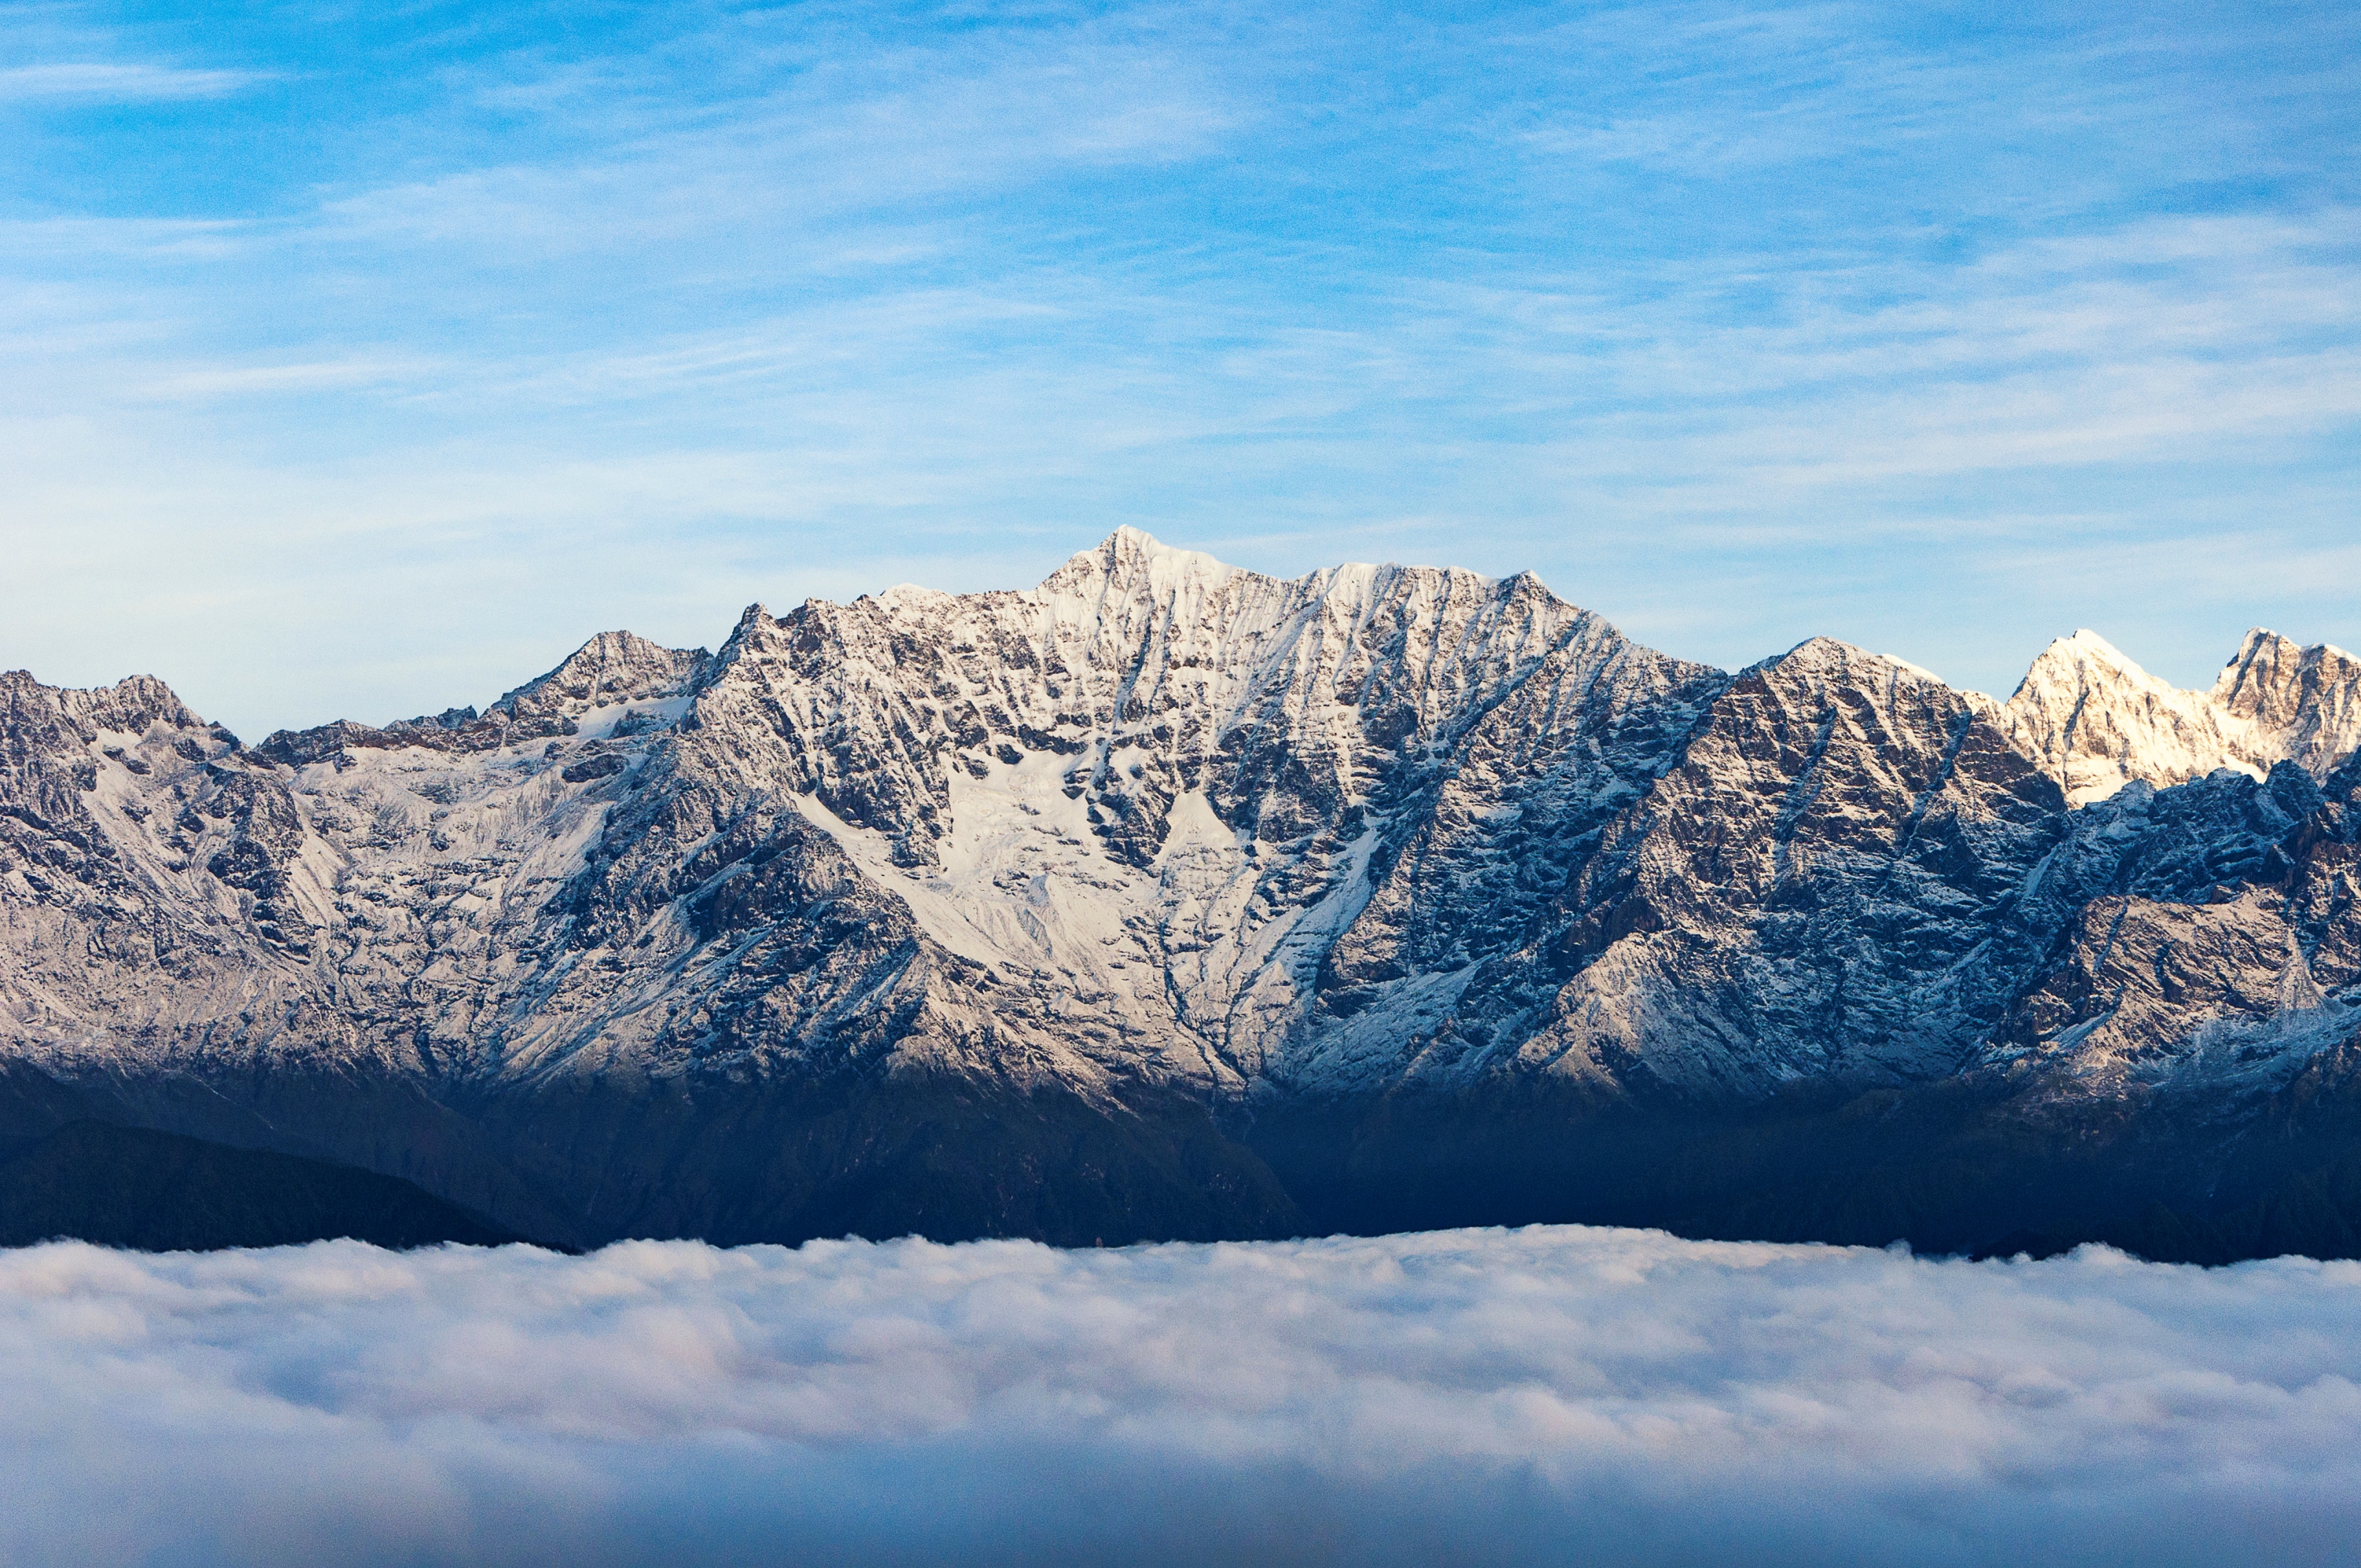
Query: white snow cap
(2096, 721)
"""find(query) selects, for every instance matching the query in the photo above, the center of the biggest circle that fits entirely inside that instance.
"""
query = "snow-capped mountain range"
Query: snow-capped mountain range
(1170, 899)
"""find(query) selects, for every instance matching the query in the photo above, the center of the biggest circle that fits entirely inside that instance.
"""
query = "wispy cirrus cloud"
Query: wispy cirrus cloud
(1737, 322)
(217, 381)
(116, 82)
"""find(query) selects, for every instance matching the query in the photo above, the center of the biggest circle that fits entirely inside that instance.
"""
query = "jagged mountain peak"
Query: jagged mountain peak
(1830, 659)
(2080, 662)
(611, 667)
(1134, 563)
(2263, 643)
(1142, 679)
(1137, 544)
(2264, 666)
(60, 743)
(2307, 698)
(2094, 720)
(2274, 674)
(2085, 643)
(620, 676)
(1819, 653)
(1130, 560)
(129, 706)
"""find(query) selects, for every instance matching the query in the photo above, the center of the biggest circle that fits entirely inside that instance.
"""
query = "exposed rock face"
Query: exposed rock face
(1827, 885)
(605, 673)
(1169, 899)
(2096, 721)
(2306, 700)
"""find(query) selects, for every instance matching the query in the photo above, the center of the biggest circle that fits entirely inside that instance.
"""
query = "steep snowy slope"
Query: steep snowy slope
(1045, 911)
(2306, 701)
(2096, 721)
(1173, 790)
(1827, 884)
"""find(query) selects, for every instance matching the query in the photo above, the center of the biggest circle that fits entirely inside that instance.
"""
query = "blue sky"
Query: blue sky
(358, 360)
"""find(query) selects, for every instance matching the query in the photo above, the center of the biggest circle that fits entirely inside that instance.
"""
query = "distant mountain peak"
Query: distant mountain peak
(1132, 560)
(2094, 720)
(613, 667)
(609, 673)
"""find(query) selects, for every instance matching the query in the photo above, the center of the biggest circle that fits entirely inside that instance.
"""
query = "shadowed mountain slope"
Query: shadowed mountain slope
(132, 1187)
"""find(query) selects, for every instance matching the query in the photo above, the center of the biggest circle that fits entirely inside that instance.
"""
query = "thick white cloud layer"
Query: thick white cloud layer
(1553, 1395)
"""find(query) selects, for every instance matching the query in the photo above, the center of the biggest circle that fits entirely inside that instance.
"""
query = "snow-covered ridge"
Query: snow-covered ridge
(1182, 788)
(598, 684)
(2096, 721)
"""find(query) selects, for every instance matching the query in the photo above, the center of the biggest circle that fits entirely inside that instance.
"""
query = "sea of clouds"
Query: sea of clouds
(1550, 1394)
